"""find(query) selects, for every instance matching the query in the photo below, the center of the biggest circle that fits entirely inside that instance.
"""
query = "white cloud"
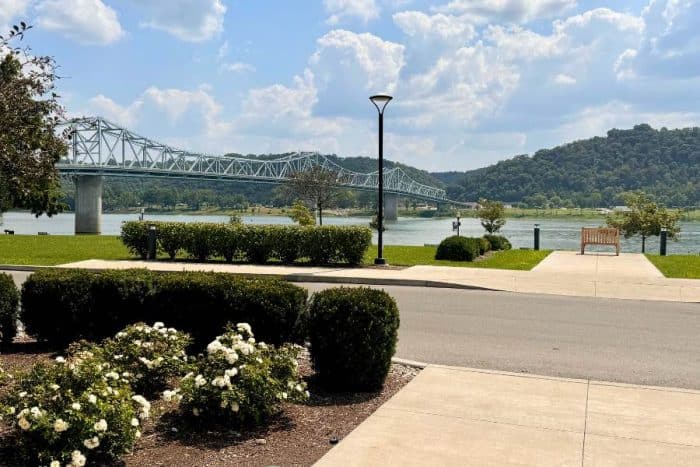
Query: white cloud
(107, 108)
(564, 79)
(84, 21)
(238, 67)
(516, 11)
(9, 10)
(188, 20)
(340, 10)
(376, 61)
(445, 27)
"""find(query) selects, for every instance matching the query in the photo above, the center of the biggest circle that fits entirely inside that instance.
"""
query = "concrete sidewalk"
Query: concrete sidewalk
(628, 276)
(454, 416)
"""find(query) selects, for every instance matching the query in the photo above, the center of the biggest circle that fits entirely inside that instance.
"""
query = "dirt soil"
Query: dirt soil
(299, 436)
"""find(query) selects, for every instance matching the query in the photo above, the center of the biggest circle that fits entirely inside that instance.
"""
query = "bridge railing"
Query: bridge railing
(102, 147)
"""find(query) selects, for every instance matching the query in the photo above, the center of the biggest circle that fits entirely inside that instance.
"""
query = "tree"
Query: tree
(644, 217)
(492, 215)
(29, 116)
(301, 214)
(317, 186)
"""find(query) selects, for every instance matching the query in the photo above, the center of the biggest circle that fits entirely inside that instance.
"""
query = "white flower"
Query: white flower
(55, 464)
(60, 360)
(23, 394)
(284, 395)
(77, 458)
(76, 406)
(307, 394)
(55, 387)
(231, 357)
(219, 381)
(299, 388)
(234, 406)
(36, 412)
(244, 327)
(195, 412)
(92, 443)
(231, 372)
(214, 346)
(134, 422)
(199, 381)
(137, 434)
(168, 395)
(59, 425)
(112, 374)
(92, 399)
(24, 424)
(11, 410)
(158, 325)
(145, 406)
(121, 334)
(101, 425)
(224, 404)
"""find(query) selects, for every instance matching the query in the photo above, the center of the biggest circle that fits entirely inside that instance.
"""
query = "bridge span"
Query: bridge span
(99, 148)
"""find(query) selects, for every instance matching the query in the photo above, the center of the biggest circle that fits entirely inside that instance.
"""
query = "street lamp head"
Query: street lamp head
(380, 101)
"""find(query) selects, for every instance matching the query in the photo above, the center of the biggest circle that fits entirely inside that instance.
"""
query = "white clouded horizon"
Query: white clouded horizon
(474, 81)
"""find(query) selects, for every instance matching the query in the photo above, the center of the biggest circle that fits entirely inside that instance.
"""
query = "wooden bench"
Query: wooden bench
(600, 236)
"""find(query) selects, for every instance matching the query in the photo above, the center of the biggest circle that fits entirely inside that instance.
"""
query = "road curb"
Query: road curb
(410, 363)
(20, 268)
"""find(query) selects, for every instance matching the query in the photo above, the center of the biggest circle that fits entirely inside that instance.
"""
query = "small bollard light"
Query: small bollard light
(662, 242)
(537, 237)
(151, 242)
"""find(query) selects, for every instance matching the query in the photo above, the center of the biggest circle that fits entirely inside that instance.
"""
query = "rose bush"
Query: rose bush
(73, 410)
(146, 356)
(239, 382)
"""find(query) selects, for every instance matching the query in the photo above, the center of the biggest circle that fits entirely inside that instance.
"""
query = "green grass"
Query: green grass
(677, 266)
(50, 250)
(523, 260)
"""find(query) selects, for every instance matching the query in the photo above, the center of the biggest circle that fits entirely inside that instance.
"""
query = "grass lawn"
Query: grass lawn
(50, 250)
(677, 266)
(425, 255)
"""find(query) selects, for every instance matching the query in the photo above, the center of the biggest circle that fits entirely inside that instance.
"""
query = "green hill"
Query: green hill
(592, 172)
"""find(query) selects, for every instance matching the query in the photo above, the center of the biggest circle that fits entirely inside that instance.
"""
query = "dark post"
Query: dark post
(537, 237)
(380, 102)
(152, 242)
(457, 225)
(662, 242)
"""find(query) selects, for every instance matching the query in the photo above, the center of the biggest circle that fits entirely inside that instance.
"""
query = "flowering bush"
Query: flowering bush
(73, 409)
(238, 381)
(145, 356)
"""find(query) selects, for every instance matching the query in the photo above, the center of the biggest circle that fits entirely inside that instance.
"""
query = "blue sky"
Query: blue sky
(475, 81)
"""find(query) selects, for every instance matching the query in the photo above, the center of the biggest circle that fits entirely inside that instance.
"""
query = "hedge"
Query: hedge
(9, 301)
(498, 242)
(252, 243)
(458, 249)
(63, 305)
(353, 334)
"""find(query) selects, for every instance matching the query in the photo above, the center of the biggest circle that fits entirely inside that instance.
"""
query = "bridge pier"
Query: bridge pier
(391, 207)
(88, 204)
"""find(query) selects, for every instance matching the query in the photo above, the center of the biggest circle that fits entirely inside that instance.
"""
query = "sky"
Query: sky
(474, 81)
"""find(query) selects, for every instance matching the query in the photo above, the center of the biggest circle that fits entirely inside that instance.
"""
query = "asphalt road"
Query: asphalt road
(641, 342)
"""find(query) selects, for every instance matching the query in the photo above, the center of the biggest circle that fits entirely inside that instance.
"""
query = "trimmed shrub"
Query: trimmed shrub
(239, 382)
(9, 301)
(63, 305)
(254, 243)
(484, 246)
(353, 333)
(458, 249)
(498, 242)
(73, 411)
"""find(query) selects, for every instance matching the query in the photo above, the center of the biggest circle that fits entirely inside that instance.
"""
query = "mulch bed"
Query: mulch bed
(299, 436)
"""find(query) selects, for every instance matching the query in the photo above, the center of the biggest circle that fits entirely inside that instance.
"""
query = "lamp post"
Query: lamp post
(380, 102)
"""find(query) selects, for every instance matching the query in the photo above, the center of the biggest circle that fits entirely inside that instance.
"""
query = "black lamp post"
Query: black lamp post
(380, 102)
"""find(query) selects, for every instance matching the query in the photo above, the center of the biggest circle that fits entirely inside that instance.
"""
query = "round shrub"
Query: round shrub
(498, 242)
(73, 411)
(9, 301)
(239, 382)
(484, 246)
(171, 237)
(145, 356)
(353, 333)
(457, 249)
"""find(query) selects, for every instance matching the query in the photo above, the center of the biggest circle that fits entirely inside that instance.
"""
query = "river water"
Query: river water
(556, 234)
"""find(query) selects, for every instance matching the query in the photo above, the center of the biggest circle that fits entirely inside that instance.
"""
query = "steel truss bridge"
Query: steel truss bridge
(102, 148)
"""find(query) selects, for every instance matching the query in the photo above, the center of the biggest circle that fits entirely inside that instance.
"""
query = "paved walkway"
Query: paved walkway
(628, 276)
(454, 416)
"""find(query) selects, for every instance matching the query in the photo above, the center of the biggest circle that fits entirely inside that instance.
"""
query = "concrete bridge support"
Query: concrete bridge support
(391, 207)
(88, 204)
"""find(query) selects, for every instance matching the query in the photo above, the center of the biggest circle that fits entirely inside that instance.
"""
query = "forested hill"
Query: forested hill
(592, 172)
